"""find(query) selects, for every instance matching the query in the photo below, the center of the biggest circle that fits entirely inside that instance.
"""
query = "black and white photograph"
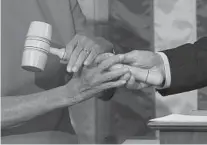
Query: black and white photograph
(103, 71)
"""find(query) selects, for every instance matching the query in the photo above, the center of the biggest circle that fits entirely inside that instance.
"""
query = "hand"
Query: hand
(106, 56)
(83, 49)
(141, 78)
(146, 67)
(97, 78)
(143, 72)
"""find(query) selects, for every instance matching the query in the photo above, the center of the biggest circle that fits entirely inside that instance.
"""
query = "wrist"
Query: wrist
(61, 96)
(58, 98)
(71, 90)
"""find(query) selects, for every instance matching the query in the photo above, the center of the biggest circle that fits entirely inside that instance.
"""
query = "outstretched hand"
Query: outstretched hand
(146, 68)
(97, 78)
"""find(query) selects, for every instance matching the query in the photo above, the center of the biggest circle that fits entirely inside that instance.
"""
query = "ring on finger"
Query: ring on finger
(64, 56)
(146, 79)
(86, 51)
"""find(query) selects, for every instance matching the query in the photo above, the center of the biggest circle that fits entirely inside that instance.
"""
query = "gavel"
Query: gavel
(37, 47)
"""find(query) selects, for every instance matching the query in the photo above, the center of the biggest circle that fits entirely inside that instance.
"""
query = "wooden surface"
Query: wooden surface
(190, 126)
(140, 141)
(182, 133)
(172, 133)
(183, 137)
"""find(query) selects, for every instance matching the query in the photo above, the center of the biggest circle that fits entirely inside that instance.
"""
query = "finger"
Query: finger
(63, 62)
(141, 85)
(79, 61)
(133, 84)
(75, 53)
(126, 77)
(137, 86)
(149, 76)
(110, 85)
(97, 89)
(103, 57)
(155, 77)
(90, 93)
(117, 66)
(111, 75)
(70, 47)
(90, 58)
(106, 64)
(129, 57)
(130, 84)
(82, 57)
(138, 73)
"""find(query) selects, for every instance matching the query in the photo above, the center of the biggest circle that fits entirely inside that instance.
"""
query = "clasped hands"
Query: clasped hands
(145, 68)
(96, 68)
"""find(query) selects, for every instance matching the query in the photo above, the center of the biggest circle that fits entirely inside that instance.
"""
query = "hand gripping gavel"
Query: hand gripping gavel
(37, 47)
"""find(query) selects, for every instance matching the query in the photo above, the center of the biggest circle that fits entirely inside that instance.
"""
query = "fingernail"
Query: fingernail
(86, 63)
(123, 82)
(74, 69)
(69, 69)
(121, 56)
(126, 69)
(128, 74)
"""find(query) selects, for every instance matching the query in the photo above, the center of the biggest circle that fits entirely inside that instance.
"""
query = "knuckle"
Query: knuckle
(128, 87)
(109, 85)
(83, 38)
(107, 78)
(78, 64)
(78, 36)
(135, 53)
(97, 48)
(68, 47)
(90, 41)
(93, 81)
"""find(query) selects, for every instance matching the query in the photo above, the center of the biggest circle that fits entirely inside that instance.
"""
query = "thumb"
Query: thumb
(151, 76)
(103, 57)
(129, 58)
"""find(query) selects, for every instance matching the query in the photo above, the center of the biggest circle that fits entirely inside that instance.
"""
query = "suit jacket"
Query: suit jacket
(188, 64)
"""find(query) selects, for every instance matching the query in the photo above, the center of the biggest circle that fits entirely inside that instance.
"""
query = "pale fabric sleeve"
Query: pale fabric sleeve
(167, 70)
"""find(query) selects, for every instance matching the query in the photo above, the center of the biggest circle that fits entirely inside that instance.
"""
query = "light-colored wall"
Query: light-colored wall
(175, 24)
(202, 31)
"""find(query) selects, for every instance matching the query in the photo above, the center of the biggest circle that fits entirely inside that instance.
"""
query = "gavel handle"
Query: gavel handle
(61, 53)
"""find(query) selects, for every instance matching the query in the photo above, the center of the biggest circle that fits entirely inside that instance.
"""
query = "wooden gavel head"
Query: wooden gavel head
(37, 47)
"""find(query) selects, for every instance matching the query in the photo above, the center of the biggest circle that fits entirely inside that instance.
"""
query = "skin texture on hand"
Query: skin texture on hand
(142, 78)
(146, 68)
(84, 85)
(83, 49)
(96, 78)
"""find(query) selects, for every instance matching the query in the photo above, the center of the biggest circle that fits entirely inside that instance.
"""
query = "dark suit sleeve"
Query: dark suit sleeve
(188, 64)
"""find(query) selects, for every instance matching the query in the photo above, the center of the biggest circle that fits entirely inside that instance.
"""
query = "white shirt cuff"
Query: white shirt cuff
(167, 70)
